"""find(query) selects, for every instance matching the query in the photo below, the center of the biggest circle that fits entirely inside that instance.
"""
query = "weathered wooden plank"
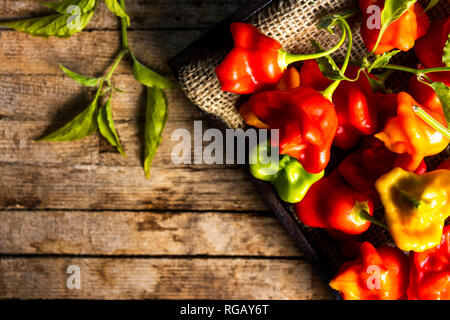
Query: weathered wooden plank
(90, 53)
(125, 188)
(143, 233)
(172, 14)
(18, 145)
(160, 278)
(58, 98)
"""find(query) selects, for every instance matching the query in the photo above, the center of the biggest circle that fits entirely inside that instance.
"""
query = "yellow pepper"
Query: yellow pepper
(416, 207)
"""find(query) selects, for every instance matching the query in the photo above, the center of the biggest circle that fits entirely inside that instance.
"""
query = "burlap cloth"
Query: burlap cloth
(293, 23)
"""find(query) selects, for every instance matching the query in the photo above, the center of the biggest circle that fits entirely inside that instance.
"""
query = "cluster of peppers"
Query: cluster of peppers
(386, 141)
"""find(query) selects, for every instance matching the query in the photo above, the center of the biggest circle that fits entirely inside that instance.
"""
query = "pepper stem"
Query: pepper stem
(432, 122)
(115, 64)
(99, 90)
(328, 92)
(406, 197)
(123, 22)
(286, 58)
(364, 215)
(415, 71)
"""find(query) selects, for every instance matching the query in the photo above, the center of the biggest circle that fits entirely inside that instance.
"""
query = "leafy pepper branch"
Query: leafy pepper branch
(97, 116)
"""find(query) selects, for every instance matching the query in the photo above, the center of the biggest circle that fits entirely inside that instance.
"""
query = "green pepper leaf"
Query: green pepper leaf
(376, 85)
(382, 60)
(117, 9)
(392, 11)
(83, 80)
(430, 6)
(118, 90)
(327, 23)
(150, 78)
(61, 25)
(327, 65)
(155, 120)
(81, 126)
(443, 92)
(106, 127)
(446, 56)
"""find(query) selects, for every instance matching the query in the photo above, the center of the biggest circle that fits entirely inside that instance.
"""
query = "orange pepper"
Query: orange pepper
(401, 34)
(377, 274)
(406, 133)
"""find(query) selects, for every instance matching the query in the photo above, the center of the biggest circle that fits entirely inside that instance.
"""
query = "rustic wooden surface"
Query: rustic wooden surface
(191, 231)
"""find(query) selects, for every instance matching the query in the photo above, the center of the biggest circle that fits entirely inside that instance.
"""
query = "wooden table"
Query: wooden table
(189, 232)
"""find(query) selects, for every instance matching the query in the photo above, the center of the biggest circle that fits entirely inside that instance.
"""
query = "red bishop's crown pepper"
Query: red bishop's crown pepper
(252, 64)
(429, 277)
(424, 94)
(307, 122)
(311, 76)
(289, 81)
(355, 103)
(377, 274)
(331, 203)
(387, 107)
(430, 48)
(401, 34)
(257, 61)
(356, 115)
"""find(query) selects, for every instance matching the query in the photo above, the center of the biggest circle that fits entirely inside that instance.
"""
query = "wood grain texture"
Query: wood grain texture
(126, 188)
(160, 278)
(59, 98)
(161, 14)
(90, 53)
(18, 145)
(143, 233)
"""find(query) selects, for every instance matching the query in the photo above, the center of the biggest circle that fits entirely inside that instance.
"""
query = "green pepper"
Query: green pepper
(290, 179)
